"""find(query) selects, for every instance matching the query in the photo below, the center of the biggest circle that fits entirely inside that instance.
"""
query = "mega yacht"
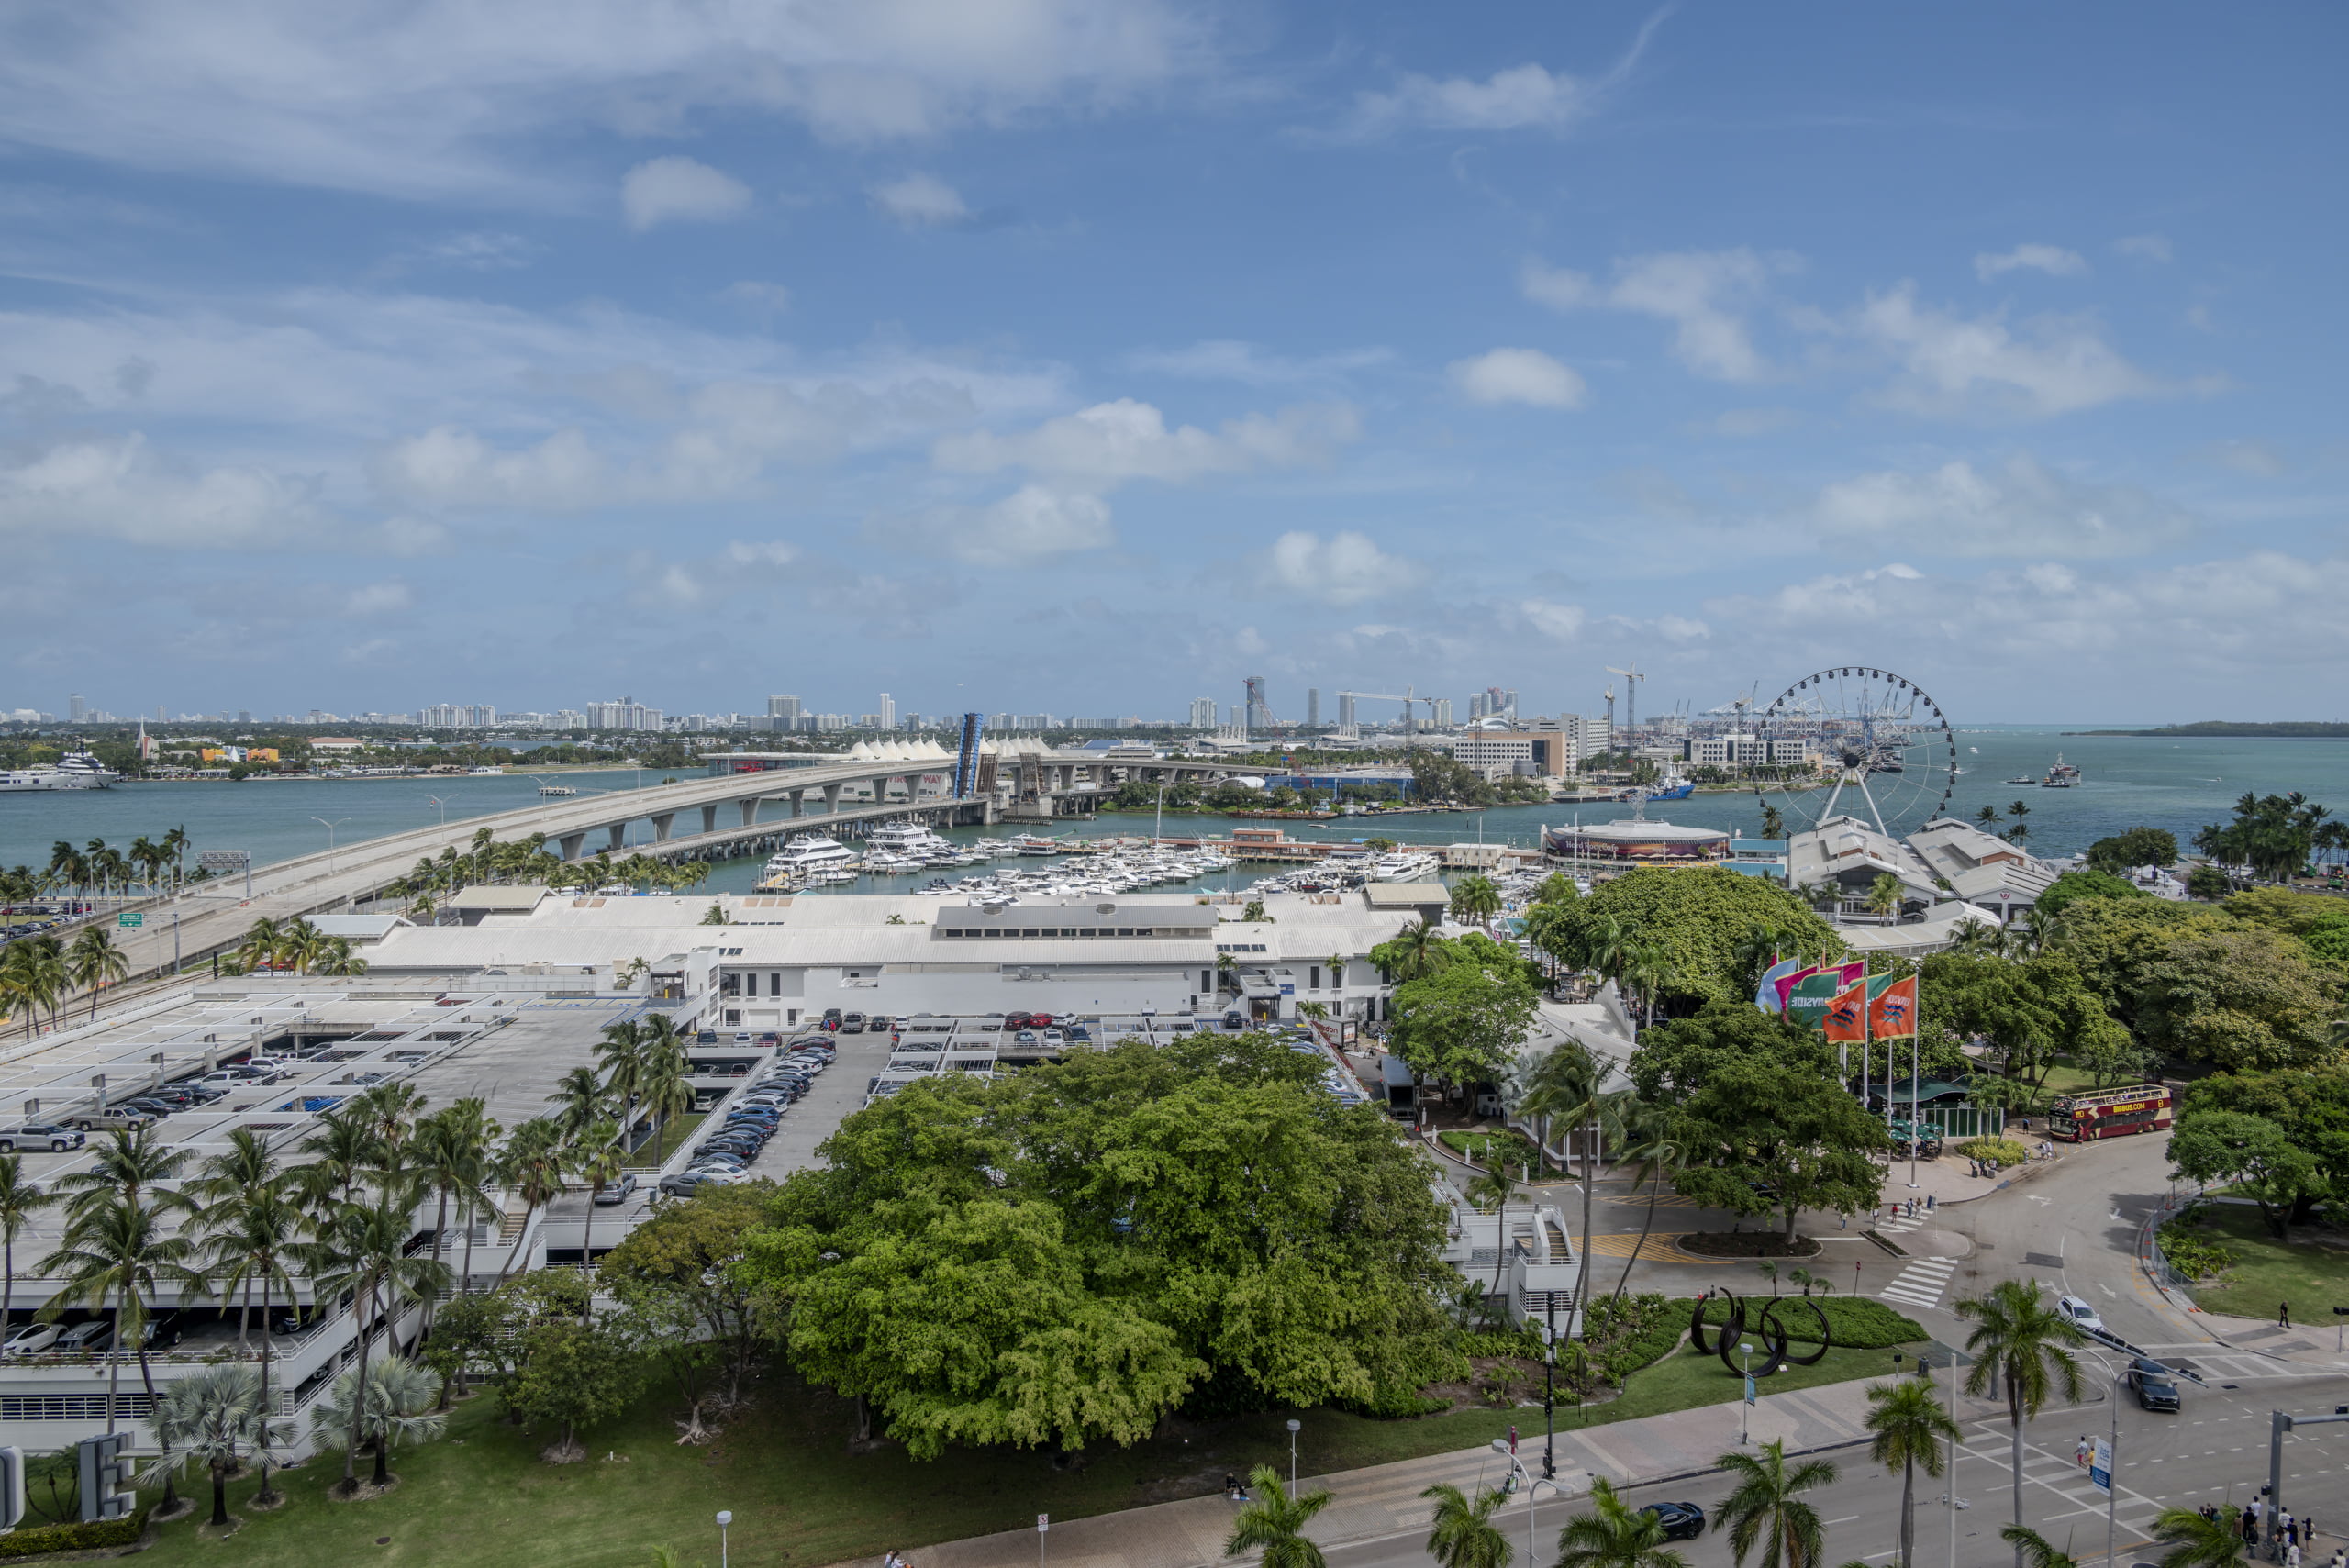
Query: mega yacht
(1402, 865)
(75, 769)
(915, 839)
(809, 852)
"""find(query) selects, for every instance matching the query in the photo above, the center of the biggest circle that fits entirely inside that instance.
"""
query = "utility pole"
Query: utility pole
(2278, 1423)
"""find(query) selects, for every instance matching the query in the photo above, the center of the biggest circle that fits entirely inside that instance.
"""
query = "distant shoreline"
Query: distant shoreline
(2227, 729)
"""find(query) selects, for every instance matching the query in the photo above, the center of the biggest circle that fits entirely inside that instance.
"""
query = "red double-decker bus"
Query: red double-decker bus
(2109, 1113)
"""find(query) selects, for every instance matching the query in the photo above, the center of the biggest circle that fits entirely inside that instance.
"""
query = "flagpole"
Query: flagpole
(1916, 1128)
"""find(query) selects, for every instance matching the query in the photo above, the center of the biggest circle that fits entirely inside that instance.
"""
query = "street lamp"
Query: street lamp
(331, 826)
(725, 1518)
(1745, 1422)
(1550, 1387)
(442, 802)
(1518, 1472)
(1294, 1426)
(2112, 1452)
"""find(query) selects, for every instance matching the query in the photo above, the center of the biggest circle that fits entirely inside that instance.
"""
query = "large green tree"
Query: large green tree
(1765, 1138)
(2124, 851)
(2254, 1153)
(1680, 1056)
(1462, 1022)
(1698, 917)
(2239, 1000)
(1065, 1256)
(2073, 886)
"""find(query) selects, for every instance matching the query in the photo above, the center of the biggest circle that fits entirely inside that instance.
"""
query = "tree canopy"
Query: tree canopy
(1461, 1021)
(2124, 851)
(2273, 834)
(1680, 1056)
(1065, 1256)
(2075, 885)
(1700, 918)
(2028, 1010)
(2251, 1152)
(1768, 1138)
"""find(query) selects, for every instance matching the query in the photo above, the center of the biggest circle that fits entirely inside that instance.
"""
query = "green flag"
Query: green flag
(1807, 1003)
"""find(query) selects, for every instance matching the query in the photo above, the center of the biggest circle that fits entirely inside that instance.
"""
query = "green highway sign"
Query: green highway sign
(130, 922)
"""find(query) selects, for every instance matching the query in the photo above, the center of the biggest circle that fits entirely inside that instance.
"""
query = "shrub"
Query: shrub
(75, 1537)
(1998, 1151)
(1851, 1323)
(1627, 1333)
(2195, 1257)
(1527, 1344)
(1512, 1148)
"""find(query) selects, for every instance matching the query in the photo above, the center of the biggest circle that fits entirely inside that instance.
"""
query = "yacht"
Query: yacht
(810, 852)
(912, 838)
(1035, 844)
(1402, 865)
(2062, 775)
(76, 769)
(883, 862)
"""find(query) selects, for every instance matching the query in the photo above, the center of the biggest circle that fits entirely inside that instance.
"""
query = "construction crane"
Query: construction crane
(1407, 697)
(1631, 679)
(1611, 719)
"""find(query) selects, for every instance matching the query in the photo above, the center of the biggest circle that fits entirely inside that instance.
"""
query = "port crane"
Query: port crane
(1407, 697)
(1631, 679)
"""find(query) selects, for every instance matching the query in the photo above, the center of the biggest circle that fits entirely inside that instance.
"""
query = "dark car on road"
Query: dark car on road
(2155, 1385)
(1681, 1521)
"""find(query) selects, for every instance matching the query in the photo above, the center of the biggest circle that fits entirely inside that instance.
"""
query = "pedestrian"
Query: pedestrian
(2080, 1453)
(2283, 1315)
(2292, 1555)
(1231, 1485)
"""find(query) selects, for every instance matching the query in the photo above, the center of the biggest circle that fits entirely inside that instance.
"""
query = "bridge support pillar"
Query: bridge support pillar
(620, 836)
(660, 827)
(798, 801)
(709, 819)
(913, 787)
(1067, 778)
(572, 843)
(831, 798)
(750, 810)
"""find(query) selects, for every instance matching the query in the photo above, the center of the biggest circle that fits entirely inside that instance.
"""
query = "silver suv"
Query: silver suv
(39, 1135)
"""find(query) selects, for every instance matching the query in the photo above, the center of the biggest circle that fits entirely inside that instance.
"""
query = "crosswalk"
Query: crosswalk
(1902, 1225)
(1922, 1281)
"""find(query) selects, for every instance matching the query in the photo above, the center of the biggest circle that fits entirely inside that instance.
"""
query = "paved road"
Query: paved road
(2214, 1450)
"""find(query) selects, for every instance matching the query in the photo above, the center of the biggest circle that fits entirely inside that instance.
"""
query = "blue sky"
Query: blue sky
(1088, 357)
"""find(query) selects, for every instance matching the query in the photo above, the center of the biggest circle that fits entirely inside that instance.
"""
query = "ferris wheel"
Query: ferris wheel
(1857, 742)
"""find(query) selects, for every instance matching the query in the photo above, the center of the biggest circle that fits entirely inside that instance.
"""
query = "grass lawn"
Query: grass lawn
(2313, 1278)
(799, 1496)
(1507, 1146)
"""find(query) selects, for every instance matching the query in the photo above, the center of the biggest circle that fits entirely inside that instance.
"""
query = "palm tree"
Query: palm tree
(1614, 1535)
(1416, 949)
(19, 1201)
(531, 1164)
(259, 944)
(113, 1256)
(401, 1401)
(298, 945)
(175, 844)
(1476, 899)
(1647, 969)
(1766, 1511)
(580, 1094)
(94, 963)
(2022, 1341)
(1274, 1523)
(1910, 1427)
(1652, 1142)
(665, 1090)
(130, 1164)
(595, 1157)
(2038, 1552)
(240, 1173)
(339, 1151)
(389, 1111)
(213, 1415)
(1987, 816)
(621, 1053)
(337, 956)
(1885, 893)
(453, 1154)
(362, 1248)
(1565, 1084)
(251, 1234)
(2195, 1541)
(1462, 1534)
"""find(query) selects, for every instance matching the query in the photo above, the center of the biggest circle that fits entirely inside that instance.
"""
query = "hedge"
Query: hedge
(1998, 1151)
(1853, 1324)
(1635, 1330)
(75, 1537)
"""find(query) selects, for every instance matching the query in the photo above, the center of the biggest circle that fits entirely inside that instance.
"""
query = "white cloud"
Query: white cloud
(449, 466)
(445, 97)
(1560, 623)
(1519, 97)
(1344, 569)
(922, 201)
(2018, 509)
(1035, 522)
(1703, 293)
(2144, 247)
(481, 251)
(2053, 260)
(117, 487)
(1228, 359)
(677, 189)
(388, 598)
(1518, 375)
(762, 299)
(1110, 443)
(1952, 365)
(1681, 629)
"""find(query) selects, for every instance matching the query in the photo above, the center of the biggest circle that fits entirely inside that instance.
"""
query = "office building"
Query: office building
(1203, 713)
(783, 707)
(888, 715)
(625, 714)
(1346, 710)
(1313, 708)
(75, 709)
(1440, 713)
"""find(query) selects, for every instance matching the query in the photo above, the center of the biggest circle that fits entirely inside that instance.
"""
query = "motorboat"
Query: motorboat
(1402, 865)
(75, 769)
(810, 852)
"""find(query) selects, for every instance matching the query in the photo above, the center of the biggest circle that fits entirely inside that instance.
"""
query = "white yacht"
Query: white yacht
(75, 769)
(1401, 865)
(915, 839)
(810, 852)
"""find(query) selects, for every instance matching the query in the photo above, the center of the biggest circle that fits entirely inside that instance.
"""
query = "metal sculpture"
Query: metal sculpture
(1777, 1351)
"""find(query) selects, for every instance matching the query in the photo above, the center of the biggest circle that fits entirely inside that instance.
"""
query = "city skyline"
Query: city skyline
(1568, 339)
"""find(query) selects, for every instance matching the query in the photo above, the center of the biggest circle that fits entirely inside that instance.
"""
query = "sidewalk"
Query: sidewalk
(1384, 1500)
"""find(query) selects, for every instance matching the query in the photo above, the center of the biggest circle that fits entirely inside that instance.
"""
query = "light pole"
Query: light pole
(1745, 1422)
(1294, 1426)
(1549, 1389)
(2111, 1452)
(441, 801)
(331, 826)
(725, 1518)
(1518, 1471)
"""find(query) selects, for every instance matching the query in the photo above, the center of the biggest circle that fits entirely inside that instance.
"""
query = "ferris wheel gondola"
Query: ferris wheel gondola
(1853, 741)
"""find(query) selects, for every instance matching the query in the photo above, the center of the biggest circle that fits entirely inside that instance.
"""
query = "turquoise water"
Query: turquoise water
(2177, 785)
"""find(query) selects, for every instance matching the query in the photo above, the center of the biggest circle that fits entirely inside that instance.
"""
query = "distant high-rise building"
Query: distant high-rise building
(244, 716)
(783, 708)
(76, 710)
(1440, 713)
(159, 713)
(1203, 713)
(1475, 705)
(1260, 716)
(1345, 710)
(625, 714)
(1313, 708)
(1509, 704)
(888, 711)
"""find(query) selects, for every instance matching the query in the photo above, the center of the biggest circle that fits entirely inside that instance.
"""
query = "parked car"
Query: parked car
(681, 1184)
(851, 1025)
(1018, 1021)
(1681, 1521)
(226, 1081)
(161, 1332)
(114, 1118)
(1079, 1033)
(31, 1340)
(1054, 1037)
(39, 1135)
(2155, 1385)
(2079, 1314)
(1024, 1037)
(619, 1192)
(86, 1339)
(147, 1107)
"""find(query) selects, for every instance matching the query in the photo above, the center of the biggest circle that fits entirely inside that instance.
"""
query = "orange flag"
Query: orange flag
(1847, 1014)
(1894, 1012)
